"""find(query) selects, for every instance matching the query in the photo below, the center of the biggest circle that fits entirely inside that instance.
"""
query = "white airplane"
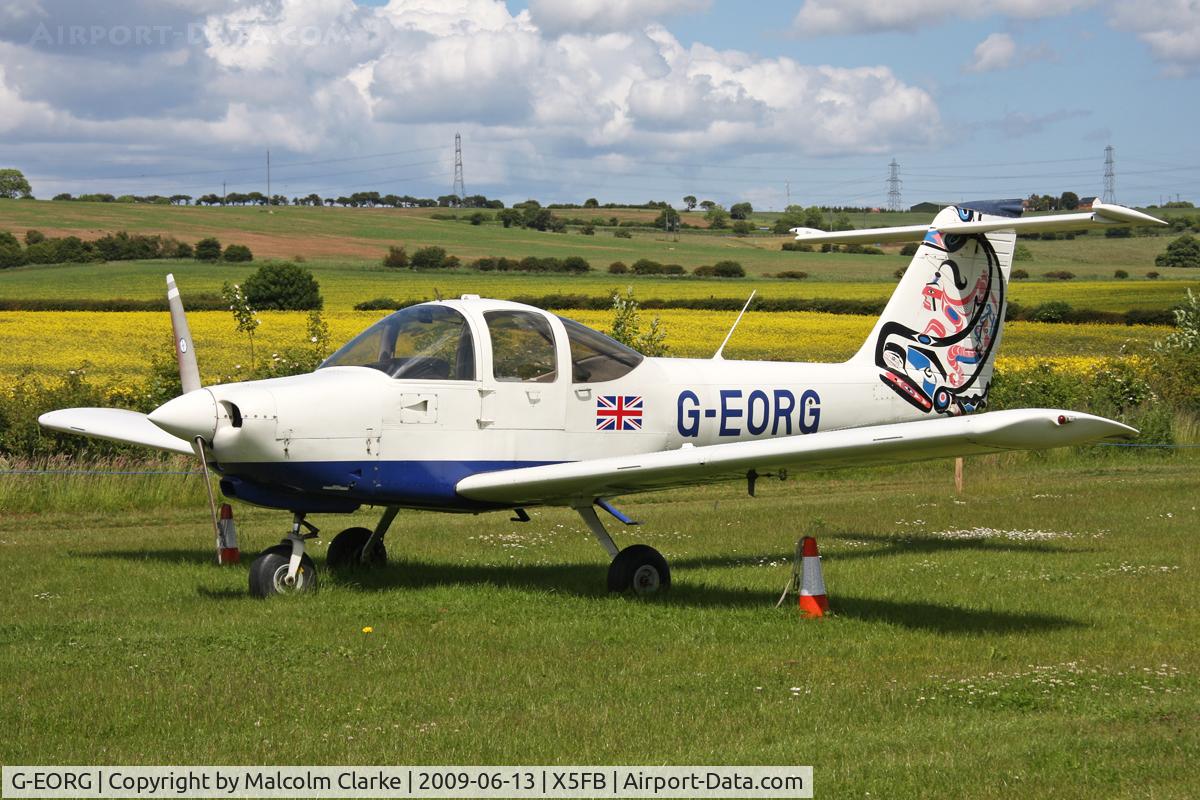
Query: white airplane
(476, 405)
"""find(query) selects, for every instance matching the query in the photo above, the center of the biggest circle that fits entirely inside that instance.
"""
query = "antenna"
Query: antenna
(268, 176)
(1110, 176)
(458, 187)
(717, 355)
(893, 184)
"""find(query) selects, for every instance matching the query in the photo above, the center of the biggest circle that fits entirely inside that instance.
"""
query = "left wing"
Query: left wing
(581, 481)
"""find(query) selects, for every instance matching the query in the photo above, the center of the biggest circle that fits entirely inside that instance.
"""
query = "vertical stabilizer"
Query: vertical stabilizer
(936, 341)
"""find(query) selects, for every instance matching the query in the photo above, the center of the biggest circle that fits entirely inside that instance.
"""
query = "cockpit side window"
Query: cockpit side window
(522, 347)
(596, 357)
(423, 342)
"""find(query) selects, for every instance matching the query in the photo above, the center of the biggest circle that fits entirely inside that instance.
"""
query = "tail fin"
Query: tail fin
(936, 341)
(935, 344)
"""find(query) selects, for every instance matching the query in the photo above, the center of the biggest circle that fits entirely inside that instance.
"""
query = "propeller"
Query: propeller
(189, 377)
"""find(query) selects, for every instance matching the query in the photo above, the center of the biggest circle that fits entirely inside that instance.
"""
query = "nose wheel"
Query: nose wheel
(286, 568)
(269, 573)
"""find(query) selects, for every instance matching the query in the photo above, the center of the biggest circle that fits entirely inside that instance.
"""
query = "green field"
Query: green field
(345, 283)
(361, 236)
(1036, 637)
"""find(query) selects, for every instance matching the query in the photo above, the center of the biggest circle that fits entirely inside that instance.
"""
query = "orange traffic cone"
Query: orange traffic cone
(813, 602)
(227, 546)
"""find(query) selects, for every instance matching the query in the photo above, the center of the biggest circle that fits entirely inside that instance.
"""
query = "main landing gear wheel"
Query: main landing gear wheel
(346, 550)
(641, 568)
(268, 573)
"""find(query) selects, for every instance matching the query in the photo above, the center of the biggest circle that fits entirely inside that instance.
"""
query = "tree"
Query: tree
(509, 217)
(1183, 252)
(237, 253)
(283, 286)
(729, 269)
(741, 210)
(717, 217)
(11, 254)
(575, 264)
(208, 249)
(627, 328)
(1069, 201)
(537, 218)
(707, 205)
(429, 258)
(396, 258)
(689, 201)
(667, 219)
(13, 184)
(591, 202)
(244, 316)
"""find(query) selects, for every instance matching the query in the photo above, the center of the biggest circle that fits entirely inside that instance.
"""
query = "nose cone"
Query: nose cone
(188, 416)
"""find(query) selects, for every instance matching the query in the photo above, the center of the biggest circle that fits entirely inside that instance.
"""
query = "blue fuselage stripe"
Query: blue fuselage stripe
(417, 484)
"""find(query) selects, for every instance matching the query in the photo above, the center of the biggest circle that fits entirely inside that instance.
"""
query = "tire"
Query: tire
(345, 551)
(641, 568)
(268, 570)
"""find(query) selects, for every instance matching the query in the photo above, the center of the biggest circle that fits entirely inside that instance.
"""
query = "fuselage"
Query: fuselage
(343, 436)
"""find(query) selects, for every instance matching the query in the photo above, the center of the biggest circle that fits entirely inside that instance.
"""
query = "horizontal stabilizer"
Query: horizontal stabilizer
(1101, 215)
(974, 434)
(115, 425)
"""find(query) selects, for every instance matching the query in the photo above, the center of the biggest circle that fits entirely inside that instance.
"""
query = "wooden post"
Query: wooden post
(958, 475)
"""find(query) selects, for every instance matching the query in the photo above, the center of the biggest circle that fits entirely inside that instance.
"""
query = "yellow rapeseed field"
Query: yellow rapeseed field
(119, 347)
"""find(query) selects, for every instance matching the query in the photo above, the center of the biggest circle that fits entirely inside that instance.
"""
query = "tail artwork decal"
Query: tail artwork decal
(938, 358)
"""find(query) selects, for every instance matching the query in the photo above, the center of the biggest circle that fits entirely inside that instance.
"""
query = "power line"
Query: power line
(227, 170)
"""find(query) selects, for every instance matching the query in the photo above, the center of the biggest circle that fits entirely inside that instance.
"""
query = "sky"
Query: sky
(772, 102)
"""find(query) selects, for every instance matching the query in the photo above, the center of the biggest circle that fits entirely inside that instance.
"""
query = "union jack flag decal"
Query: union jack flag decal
(618, 412)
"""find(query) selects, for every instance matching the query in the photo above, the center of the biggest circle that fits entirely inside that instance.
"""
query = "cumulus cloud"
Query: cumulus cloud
(1000, 51)
(1170, 28)
(606, 16)
(995, 52)
(327, 77)
(823, 17)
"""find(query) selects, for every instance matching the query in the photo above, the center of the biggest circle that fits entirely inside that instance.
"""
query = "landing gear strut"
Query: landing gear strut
(360, 547)
(286, 568)
(638, 567)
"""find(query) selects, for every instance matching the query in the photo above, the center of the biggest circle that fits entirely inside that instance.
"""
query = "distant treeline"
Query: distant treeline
(119, 246)
(1045, 312)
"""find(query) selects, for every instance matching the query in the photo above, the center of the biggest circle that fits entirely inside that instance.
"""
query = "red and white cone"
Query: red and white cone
(227, 545)
(813, 602)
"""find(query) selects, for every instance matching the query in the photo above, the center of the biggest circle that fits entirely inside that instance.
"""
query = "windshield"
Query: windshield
(596, 357)
(429, 342)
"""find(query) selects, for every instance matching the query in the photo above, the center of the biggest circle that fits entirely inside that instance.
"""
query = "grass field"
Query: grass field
(115, 346)
(345, 283)
(362, 236)
(1037, 637)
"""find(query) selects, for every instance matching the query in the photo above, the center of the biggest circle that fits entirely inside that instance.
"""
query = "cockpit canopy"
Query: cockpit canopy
(428, 342)
(434, 341)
